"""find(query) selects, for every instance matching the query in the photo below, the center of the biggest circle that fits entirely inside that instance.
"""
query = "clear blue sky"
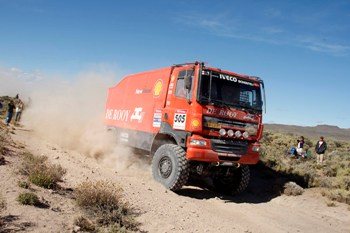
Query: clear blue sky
(300, 48)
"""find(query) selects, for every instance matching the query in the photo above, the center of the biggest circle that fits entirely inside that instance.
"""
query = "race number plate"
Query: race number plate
(180, 119)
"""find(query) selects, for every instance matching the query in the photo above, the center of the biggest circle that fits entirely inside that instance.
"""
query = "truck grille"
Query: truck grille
(229, 146)
(224, 123)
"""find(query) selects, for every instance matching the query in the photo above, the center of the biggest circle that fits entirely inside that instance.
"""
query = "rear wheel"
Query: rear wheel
(170, 166)
(232, 181)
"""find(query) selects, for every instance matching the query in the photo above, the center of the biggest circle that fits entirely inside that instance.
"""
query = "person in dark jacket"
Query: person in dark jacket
(9, 115)
(320, 149)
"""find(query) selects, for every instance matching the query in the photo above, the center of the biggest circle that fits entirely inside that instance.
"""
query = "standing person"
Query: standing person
(10, 108)
(19, 109)
(320, 149)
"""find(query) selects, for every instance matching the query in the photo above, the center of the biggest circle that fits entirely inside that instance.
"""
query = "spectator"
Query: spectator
(19, 109)
(300, 146)
(320, 149)
(10, 108)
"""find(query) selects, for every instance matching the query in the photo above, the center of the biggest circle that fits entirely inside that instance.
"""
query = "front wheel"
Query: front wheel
(170, 166)
(234, 181)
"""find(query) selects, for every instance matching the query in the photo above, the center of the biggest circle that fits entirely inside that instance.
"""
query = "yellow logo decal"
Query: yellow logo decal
(158, 87)
(195, 123)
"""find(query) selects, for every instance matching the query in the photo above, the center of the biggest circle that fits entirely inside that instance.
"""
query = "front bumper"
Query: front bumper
(204, 152)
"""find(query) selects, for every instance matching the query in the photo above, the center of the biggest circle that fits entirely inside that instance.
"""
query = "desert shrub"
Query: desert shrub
(2, 204)
(331, 204)
(23, 184)
(85, 224)
(103, 202)
(292, 189)
(42, 179)
(331, 171)
(28, 199)
(338, 195)
(334, 175)
(40, 172)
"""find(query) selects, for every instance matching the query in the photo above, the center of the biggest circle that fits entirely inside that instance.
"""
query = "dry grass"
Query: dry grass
(2, 204)
(292, 189)
(40, 172)
(334, 176)
(103, 204)
(28, 198)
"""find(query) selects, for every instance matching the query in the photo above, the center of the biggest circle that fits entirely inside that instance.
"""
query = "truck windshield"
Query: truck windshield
(229, 91)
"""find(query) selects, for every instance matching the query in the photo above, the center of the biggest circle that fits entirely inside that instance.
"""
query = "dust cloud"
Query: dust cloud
(70, 113)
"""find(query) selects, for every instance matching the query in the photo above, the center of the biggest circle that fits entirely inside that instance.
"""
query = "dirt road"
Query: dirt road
(192, 209)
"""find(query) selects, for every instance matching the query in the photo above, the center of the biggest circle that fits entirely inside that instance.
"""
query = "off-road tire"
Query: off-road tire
(235, 183)
(170, 166)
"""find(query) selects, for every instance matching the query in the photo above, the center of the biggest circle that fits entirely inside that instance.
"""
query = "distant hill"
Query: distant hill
(327, 131)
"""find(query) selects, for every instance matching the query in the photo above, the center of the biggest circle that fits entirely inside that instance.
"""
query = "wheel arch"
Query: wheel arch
(161, 139)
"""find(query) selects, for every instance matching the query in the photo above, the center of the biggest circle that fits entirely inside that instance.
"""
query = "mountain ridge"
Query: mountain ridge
(314, 132)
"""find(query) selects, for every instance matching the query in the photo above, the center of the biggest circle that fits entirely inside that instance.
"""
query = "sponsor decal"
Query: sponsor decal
(221, 112)
(229, 155)
(137, 115)
(180, 119)
(213, 125)
(157, 118)
(228, 77)
(142, 91)
(158, 87)
(235, 79)
(170, 92)
(171, 85)
(250, 117)
(125, 115)
(117, 114)
(124, 137)
(195, 123)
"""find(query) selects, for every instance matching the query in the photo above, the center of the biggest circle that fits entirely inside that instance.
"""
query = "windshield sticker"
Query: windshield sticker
(234, 79)
(180, 119)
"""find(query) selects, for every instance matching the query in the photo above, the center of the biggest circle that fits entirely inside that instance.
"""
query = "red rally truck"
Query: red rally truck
(194, 120)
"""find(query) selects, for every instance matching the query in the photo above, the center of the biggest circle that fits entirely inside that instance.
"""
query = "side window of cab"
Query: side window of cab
(180, 90)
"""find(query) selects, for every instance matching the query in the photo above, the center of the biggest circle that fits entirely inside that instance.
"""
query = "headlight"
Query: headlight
(222, 132)
(256, 148)
(252, 129)
(195, 142)
(245, 134)
(230, 133)
(238, 134)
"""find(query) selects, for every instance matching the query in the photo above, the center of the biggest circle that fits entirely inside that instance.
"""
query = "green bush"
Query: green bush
(23, 184)
(28, 199)
(42, 179)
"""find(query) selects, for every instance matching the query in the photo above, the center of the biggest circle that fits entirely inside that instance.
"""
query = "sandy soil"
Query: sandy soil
(192, 209)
